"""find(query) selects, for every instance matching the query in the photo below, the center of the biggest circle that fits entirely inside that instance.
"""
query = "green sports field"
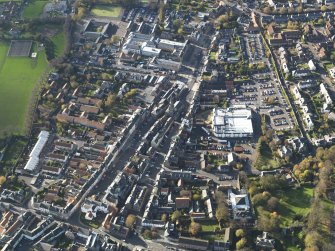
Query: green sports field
(18, 77)
(106, 11)
(59, 42)
(34, 9)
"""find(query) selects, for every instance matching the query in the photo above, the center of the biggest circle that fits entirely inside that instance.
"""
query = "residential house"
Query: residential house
(265, 242)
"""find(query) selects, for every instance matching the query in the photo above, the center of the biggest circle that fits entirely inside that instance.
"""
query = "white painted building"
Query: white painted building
(240, 205)
(234, 122)
(35, 153)
(311, 65)
(325, 94)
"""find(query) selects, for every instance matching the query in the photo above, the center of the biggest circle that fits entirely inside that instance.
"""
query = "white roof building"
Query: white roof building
(296, 92)
(42, 139)
(309, 122)
(234, 122)
(311, 65)
(35, 153)
(326, 96)
(135, 41)
(240, 204)
(285, 68)
(150, 51)
(31, 164)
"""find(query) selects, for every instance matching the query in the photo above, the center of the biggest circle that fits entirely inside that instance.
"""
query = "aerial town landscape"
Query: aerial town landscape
(167, 125)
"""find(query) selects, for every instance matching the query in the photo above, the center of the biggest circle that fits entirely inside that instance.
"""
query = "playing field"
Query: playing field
(34, 9)
(106, 11)
(294, 203)
(18, 76)
(59, 42)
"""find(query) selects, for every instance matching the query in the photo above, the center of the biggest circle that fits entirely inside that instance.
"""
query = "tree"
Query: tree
(177, 24)
(320, 153)
(300, 9)
(239, 166)
(106, 76)
(260, 199)
(241, 243)
(292, 25)
(147, 234)
(320, 189)
(222, 213)
(312, 238)
(196, 197)
(164, 217)
(240, 233)
(272, 182)
(80, 13)
(315, 248)
(131, 93)
(115, 39)
(326, 173)
(291, 10)
(100, 104)
(267, 10)
(253, 190)
(324, 8)
(195, 228)
(283, 10)
(268, 224)
(130, 220)
(180, 31)
(272, 203)
(223, 19)
(175, 215)
(220, 198)
(161, 12)
(2, 180)
(111, 99)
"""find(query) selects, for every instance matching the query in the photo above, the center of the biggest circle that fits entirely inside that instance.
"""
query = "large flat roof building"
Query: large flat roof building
(35, 153)
(233, 122)
(149, 46)
(136, 41)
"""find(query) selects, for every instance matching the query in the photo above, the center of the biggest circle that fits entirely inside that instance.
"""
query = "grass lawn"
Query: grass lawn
(34, 9)
(292, 243)
(209, 226)
(18, 77)
(328, 66)
(293, 204)
(213, 55)
(216, 160)
(59, 42)
(106, 11)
